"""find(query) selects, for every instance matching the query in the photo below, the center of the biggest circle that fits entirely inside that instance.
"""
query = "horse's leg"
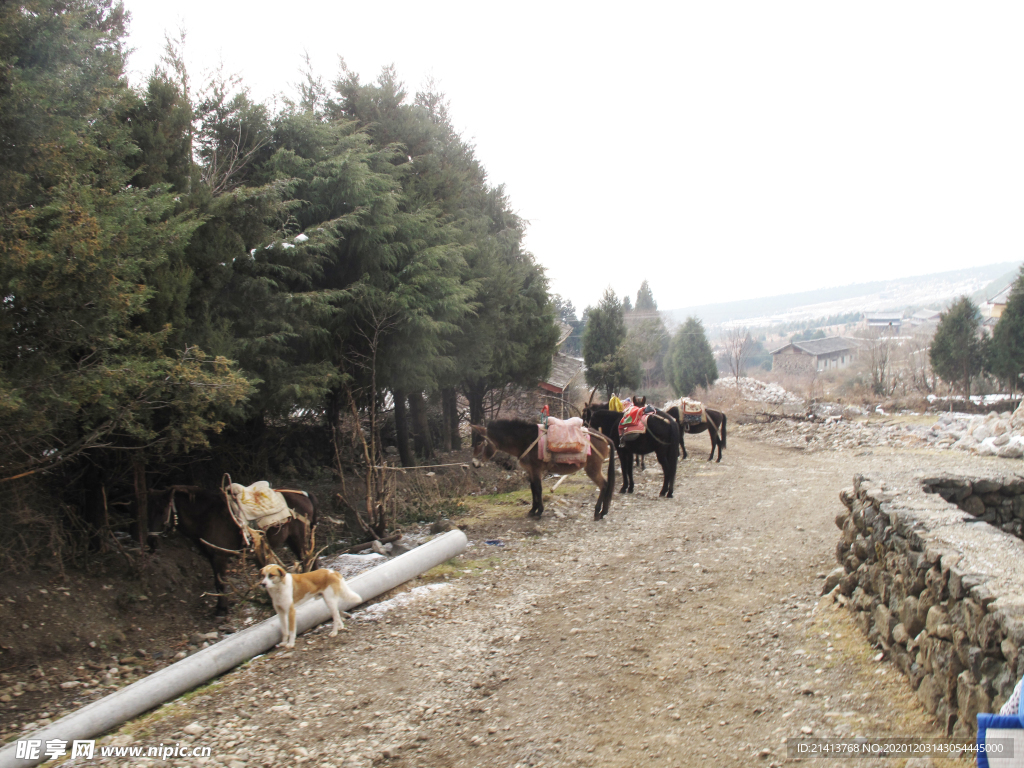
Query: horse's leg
(682, 441)
(626, 460)
(538, 494)
(672, 462)
(662, 455)
(609, 486)
(296, 540)
(594, 473)
(219, 563)
(713, 434)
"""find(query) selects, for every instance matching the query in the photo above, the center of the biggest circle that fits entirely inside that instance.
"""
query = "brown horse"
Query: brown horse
(202, 516)
(519, 438)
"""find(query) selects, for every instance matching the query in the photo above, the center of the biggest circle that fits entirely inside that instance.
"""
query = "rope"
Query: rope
(425, 466)
(530, 446)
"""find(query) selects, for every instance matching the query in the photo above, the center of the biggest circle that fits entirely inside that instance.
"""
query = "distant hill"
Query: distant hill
(906, 295)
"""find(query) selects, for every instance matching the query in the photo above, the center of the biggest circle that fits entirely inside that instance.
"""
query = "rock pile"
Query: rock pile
(997, 434)
(835, 434)
(832, 427)
(940, 595)
(761, 391)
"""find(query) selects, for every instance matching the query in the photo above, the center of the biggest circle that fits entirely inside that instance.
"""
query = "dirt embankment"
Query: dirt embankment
(675, 632)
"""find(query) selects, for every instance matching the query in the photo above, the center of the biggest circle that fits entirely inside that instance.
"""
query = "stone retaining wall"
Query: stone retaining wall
(938, 586)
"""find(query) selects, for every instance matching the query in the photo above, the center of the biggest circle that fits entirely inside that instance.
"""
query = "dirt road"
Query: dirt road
(674, 633)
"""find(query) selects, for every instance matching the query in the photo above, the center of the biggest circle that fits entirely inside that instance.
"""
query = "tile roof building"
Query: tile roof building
(802, 357)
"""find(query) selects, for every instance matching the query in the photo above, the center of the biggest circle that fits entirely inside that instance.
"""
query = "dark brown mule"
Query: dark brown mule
(715, 426)
(202, 516)
(519, 438)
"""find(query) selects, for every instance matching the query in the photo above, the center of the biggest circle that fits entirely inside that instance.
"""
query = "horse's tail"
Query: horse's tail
(610, 488)
(723, 430)
(311, 527)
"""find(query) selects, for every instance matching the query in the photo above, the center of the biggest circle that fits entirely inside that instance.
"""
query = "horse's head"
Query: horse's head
(640, 401)
(162, 510)
(485, 449)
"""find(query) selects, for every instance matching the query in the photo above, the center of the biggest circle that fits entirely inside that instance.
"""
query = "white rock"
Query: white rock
(1014, 449)
(193, 729)
(985, 449)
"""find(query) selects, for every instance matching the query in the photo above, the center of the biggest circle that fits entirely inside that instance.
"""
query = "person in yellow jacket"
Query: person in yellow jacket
(614, 404)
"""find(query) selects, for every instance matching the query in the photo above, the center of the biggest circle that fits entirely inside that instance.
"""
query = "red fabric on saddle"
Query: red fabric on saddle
(633, 422)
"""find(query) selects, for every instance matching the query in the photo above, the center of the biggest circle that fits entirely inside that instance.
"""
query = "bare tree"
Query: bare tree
(738, 346)
(881, 359)
(377, 515)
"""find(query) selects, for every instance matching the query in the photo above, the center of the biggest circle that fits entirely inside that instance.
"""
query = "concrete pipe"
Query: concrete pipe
(170, 682)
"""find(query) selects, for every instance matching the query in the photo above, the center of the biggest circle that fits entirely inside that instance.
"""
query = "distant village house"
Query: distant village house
(566, 372)
(805, 357)
(925, 317)
(891, 321)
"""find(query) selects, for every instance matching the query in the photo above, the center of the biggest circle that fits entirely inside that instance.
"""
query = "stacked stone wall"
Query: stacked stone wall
(794, 363)
(935, 577)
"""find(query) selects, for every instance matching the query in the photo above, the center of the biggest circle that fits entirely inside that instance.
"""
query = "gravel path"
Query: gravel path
(674, 633)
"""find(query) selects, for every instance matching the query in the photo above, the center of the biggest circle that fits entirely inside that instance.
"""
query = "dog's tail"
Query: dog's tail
(346, 592)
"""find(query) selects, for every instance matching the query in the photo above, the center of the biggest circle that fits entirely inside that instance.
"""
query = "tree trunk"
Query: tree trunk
(476, 410)
(452, 397)
(141, 501)
(420, 426)
(449, 416)
(402, 429)
(334, 425)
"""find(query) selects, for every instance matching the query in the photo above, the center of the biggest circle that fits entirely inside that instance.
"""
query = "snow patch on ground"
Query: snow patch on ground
(376, 611)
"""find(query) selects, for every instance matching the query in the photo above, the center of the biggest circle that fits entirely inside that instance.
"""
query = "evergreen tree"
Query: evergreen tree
(645, 299)
(511, 337)
(566, 312)
(956, 351)
(627, 305)
(490, 322)
(609, 366)
(690, 363)
(78, 368)
(649, 340)
(1007, 347)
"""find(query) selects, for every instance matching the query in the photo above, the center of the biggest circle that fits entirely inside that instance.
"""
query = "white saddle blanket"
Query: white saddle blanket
(690, 411)
(260, 505)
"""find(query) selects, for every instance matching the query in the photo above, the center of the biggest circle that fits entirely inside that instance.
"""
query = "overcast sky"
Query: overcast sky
(721, 150)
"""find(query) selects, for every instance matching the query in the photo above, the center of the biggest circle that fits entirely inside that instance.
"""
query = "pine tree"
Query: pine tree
(956, 351)
(690, 362)
(649, 340)
(645, 299)
(78, 245)
(610, 366)
(1007, 347)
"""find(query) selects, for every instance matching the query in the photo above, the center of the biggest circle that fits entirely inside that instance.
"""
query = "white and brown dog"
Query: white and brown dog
(288, 590)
